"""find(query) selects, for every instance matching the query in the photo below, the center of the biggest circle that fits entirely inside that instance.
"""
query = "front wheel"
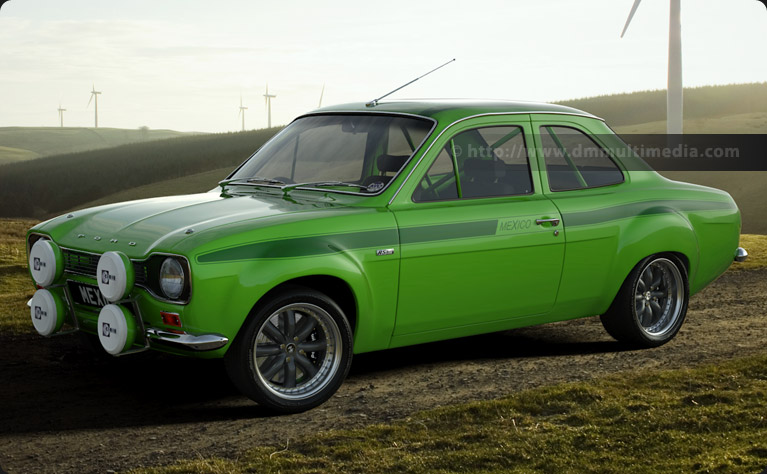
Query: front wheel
(293, 353)
(652, 303)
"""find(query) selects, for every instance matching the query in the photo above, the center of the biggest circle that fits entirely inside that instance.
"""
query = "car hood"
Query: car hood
(140, 227)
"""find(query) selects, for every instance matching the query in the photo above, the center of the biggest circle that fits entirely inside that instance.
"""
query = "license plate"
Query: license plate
(88, 295)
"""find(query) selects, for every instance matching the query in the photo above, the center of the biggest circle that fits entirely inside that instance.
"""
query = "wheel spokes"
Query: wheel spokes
(306, 365)
(658, 280)
(271, 331)
(641, 285)
(642, 312)
(656, 309)
(264, 350)
(648, 314)
(313, 346)
(289, 377)
(288, 324)
(297, 350)
(305, 327)
(272, 365)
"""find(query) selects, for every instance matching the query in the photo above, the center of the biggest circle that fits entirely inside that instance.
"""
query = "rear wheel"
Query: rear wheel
(652, 303)
(293, 353)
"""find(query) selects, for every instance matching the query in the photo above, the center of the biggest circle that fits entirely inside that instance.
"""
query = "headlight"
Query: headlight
(172, 278)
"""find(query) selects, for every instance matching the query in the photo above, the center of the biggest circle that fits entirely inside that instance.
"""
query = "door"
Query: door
(480, 244)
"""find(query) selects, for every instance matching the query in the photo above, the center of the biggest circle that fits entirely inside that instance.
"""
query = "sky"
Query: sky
(184, 64)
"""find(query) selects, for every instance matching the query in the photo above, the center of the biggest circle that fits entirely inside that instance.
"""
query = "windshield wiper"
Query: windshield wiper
(315, 184)
(252, 180)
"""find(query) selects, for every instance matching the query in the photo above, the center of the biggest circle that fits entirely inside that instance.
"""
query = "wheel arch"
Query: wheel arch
(665, 234)
(333, 287)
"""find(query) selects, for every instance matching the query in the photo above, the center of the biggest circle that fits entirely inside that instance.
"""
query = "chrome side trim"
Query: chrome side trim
(203, 342)
(741, 255)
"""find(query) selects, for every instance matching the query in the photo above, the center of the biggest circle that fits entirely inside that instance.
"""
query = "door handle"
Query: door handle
(553, 222)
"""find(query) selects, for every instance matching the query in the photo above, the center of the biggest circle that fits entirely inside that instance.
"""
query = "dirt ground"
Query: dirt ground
(62, 410)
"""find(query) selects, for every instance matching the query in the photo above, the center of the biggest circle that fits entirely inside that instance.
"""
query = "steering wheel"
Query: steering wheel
(428, 191)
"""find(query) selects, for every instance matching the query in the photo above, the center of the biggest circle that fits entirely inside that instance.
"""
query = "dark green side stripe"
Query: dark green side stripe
(304, 246)
(388, 238)
(636, 209)
(461, 230)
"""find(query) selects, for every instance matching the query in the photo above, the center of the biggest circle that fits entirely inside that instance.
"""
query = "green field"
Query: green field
(190, 184)
(699, 103)
(24, 143)
(703, 420)
(15, 284)
(48, 186)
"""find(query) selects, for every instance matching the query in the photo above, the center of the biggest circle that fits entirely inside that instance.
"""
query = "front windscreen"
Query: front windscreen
(366, 150)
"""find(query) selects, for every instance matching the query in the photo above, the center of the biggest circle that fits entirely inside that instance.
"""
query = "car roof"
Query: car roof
(454, 109)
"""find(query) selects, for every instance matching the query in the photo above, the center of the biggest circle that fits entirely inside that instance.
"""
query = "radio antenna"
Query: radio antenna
(374, 102)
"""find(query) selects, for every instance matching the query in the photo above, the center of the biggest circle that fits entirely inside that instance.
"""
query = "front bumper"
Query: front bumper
(741, 255)
(202, 342)
(181, 340)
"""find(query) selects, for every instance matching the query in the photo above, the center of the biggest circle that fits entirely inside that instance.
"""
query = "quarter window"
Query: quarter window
(490, 161)
(575, 161)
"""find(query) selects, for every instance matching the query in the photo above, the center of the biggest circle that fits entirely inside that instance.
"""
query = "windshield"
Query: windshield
(353, 153)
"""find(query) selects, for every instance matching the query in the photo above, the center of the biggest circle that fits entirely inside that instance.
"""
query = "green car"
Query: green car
(364, 227)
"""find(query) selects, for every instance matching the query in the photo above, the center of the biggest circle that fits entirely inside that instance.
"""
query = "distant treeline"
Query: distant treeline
(41, 187)
(700, 102)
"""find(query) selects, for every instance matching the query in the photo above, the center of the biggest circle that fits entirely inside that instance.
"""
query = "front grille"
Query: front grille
(80, 263)
(140, 270)
(84, 263)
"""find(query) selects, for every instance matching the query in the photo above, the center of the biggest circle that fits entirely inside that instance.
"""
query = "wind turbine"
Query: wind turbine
(242, 112)
(675, 92)
(95, 94)
(61, 115)
(268, 101)
(321, 94)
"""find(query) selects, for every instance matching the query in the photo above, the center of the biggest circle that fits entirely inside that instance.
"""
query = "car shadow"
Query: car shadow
(58, 385)
(518, 344)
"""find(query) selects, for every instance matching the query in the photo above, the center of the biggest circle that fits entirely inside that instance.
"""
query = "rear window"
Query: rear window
(575, 161)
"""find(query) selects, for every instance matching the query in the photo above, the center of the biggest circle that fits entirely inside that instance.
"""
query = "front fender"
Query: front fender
(229, 281)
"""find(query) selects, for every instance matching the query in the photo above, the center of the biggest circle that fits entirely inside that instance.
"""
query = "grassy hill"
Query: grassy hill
(190, 184)
(699, 103)
(52, 185)
(755, 122)
(23, 143)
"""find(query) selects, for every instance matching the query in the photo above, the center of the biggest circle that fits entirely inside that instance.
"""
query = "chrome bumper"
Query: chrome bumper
(741, 255)
(203, 342)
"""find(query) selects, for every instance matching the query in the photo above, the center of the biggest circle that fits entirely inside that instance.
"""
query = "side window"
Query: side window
(491, 161)
(575, 161)
(439, 182)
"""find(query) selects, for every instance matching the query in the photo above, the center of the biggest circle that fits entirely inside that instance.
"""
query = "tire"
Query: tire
(651, 305)
(293, 352)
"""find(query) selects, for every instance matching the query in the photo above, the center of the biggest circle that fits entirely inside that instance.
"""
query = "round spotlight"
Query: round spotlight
(46, 263)
(47, 311)
(115, 276)
(117, 328)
